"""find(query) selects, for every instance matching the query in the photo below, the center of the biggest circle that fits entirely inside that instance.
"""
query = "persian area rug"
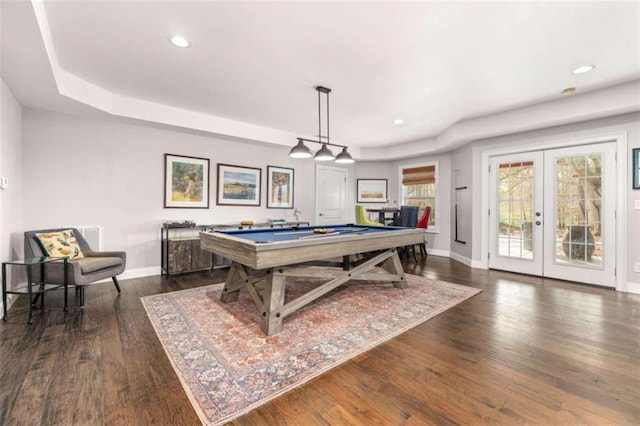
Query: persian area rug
(228, 367)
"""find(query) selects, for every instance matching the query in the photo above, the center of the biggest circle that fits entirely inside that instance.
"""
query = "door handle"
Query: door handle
(538, 222)
(320, 214)
(538, 214)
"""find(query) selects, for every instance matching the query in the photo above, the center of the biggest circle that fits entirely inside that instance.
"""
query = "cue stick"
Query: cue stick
(318, 235)
(312, 232)
(354, 230)
(294, 232)
(346, 231)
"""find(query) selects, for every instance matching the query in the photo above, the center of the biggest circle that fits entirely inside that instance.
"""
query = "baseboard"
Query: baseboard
(10, 299)
(633, 288)
(466, 261)
(461, 259)
(136, 273)
(478, 264)
(141, 272)
(443, 253)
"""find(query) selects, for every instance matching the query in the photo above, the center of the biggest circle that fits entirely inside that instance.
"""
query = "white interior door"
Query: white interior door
(331, 195)
(552, 213)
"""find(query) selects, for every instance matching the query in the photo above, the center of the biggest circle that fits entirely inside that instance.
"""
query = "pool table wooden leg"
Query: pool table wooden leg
(273, 301)
(232, 284)
(393, 265)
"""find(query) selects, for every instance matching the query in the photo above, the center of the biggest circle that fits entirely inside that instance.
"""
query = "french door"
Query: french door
(552, 213)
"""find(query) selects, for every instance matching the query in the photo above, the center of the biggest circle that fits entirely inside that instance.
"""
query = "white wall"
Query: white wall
(11, 244)
(85, 171)
(102, 172)
(628, 123)
(462, 176)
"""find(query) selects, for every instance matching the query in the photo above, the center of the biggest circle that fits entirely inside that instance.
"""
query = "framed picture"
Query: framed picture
(279, 187)
(186, 182)
(636, 168)
(371, 190)
(238, 185)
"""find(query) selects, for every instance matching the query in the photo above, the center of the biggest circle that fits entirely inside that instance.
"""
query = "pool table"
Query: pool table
(264, 258)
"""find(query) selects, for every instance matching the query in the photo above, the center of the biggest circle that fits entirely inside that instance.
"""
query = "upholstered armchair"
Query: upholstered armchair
(93, 267)
(362, 219)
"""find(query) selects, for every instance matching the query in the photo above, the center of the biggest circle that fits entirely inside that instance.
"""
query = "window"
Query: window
(419, 188)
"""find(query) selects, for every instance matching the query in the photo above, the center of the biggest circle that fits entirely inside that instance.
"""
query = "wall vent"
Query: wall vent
(91, 233)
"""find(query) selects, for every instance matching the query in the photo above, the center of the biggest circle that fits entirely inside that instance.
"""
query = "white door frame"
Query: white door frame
(621, 191)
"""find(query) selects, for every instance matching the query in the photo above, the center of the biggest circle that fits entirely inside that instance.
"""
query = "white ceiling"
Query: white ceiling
(253, 66)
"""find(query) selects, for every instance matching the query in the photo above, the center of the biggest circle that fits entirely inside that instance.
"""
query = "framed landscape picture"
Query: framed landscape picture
(371, 190)
(238, 185)
(186, 182)
(279, 187)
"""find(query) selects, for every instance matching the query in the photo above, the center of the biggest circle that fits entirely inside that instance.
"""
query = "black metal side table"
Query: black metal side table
(40, 287)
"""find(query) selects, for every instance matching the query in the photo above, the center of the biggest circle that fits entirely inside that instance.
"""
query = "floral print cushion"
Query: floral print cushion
(60, 244)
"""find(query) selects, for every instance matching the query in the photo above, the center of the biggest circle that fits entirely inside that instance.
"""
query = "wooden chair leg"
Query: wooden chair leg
(423, 250)
(115, 282)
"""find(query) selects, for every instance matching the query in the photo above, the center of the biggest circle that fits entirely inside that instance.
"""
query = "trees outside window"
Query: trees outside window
(419, 188)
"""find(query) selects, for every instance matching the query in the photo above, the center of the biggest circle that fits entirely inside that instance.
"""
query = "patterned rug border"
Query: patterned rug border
(472, 291)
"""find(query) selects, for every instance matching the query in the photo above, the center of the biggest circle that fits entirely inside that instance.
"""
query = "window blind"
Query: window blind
(419, 175)
(520, 164)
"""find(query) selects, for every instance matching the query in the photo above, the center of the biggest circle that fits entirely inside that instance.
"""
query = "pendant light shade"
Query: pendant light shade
(324, 153)
(300, 151)
(344, 157)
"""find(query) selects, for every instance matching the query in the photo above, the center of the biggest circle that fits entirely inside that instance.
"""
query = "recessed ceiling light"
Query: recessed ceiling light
(179, 41)
(569, 91)
(583, 69)
(398, 121)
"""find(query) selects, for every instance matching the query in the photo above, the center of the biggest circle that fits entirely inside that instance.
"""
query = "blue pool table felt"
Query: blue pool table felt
(303, 232)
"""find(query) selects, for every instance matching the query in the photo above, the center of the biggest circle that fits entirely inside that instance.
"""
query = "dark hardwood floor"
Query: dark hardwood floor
(524, 351)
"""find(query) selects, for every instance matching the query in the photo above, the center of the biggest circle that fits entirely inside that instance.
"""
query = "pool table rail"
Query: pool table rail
(279, 253)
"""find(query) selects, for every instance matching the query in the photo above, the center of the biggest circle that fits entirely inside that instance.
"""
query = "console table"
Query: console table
(180, 245)
(42, 286)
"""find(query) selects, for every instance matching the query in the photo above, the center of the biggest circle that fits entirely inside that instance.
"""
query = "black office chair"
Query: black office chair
(408, 218)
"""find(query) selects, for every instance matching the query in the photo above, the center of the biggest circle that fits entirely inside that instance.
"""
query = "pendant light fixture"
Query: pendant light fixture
(324, 153)
(300, 151)
(344, 157)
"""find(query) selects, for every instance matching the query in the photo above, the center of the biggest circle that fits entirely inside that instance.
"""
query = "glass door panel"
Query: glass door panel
(514, 200)
(578, 228)
(582, 201)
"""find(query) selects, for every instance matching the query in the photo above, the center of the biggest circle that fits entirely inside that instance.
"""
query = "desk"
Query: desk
(42, 286)
(267, 257)
(382, 214)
